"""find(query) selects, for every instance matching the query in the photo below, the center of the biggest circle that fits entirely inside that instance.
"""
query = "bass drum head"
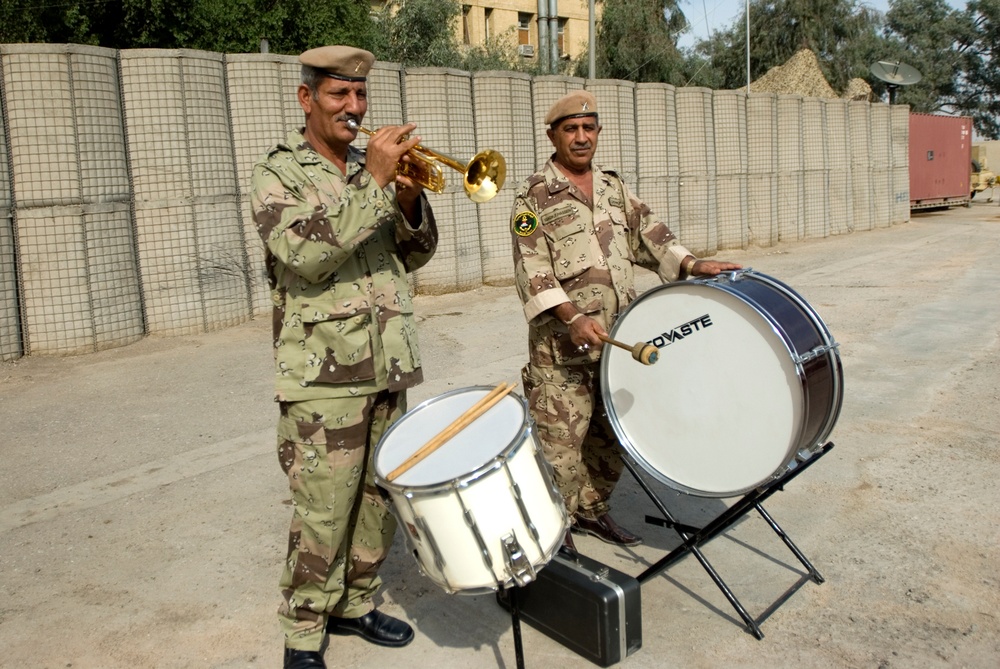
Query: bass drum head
(492, 434)
(721, 411)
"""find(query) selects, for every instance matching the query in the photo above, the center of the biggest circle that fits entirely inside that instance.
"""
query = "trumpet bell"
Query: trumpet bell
(484, 176)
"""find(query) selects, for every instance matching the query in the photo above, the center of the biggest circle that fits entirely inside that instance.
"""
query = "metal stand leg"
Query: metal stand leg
(694, 537)
(515, 619)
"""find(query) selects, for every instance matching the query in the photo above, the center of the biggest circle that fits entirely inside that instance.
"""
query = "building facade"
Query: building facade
(484, 20)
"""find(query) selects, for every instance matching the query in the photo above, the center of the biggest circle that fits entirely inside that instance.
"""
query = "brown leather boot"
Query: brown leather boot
(606, 529)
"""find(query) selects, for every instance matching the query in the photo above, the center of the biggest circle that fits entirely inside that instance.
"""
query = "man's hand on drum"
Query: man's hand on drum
(584, 333)
(712, 267)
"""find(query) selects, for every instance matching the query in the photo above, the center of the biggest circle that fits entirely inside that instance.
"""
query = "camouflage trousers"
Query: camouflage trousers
(565, 403)
(341, 527)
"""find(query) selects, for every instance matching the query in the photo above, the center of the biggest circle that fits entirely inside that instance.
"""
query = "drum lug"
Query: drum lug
(422, 529)
(817, 352)
(518, 565)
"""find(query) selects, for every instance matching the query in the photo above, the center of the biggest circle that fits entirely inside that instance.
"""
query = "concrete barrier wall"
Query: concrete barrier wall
(124, 189)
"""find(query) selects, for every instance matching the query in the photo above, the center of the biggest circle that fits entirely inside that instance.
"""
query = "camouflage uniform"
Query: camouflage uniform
(569, 249)
(345, 347)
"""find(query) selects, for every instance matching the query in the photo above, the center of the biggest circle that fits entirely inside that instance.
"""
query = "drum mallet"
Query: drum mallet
(645, 353)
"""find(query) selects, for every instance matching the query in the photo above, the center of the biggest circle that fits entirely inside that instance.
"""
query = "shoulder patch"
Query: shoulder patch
(525, 223)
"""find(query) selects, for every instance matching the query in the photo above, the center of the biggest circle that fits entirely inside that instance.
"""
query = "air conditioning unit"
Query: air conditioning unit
(526, 50)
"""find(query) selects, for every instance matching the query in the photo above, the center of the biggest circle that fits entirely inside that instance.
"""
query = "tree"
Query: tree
(24, 21)
(841, 33)
(418, 32)
(637, 41)
(226, 26)
(422, 33)
(925, 35)
(979, 90)
(956, 52)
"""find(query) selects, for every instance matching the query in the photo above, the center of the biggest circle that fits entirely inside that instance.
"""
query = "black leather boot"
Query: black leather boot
(304, 659)
(374, 626)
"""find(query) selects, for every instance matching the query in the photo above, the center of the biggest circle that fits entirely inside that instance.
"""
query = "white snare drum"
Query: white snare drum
(482, 511)
(748, 378)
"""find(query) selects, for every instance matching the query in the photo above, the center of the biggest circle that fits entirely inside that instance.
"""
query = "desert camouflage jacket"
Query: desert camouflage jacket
(337, 252)
(567, 249)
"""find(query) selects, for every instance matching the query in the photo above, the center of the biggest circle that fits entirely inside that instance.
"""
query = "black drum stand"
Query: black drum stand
(515, 623)
(693, 537)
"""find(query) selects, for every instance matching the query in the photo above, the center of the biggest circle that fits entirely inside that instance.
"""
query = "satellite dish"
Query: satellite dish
(895, 74)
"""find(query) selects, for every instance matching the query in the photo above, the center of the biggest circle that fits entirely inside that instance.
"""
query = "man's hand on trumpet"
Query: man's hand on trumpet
(386, 148)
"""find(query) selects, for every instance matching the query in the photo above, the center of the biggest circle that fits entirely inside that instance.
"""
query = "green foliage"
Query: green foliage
(25, 21)
(956, 52)
(418, 32)
(422, 33)
(842, 33)
(225, 26)
(979, 90)
(637, 41)
(921, 33)
(499, 53)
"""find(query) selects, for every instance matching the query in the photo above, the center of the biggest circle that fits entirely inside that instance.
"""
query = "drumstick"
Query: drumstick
(645, 353)
(459, 424)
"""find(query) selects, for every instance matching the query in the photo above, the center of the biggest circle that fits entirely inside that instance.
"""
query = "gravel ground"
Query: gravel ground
(143, 514)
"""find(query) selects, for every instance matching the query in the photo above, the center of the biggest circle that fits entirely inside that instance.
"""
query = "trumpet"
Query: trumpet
(483, 175)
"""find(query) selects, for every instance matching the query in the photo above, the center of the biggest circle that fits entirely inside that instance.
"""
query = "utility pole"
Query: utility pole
(591, 73)
(748, 45)
(543, 35)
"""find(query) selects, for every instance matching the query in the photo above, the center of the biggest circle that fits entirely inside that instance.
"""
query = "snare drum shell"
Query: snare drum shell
(456, 525)
(748, 377)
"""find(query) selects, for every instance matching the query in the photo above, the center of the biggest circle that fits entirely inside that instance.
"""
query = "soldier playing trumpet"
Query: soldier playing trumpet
(341, 231)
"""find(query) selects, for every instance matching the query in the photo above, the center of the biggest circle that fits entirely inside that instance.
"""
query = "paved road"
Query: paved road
(143, 515)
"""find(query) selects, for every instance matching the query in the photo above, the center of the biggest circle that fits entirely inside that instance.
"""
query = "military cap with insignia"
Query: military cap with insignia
(571, 105)
(340, 62)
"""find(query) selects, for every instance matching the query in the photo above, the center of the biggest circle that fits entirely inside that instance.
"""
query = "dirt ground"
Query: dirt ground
(143, 515)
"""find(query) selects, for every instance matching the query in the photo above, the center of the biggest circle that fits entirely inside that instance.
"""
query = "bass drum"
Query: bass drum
(748, 380)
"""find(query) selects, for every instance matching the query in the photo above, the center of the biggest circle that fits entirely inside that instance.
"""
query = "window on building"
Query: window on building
(466, 38)
(489, 23)
(524, 28)
(562, 37)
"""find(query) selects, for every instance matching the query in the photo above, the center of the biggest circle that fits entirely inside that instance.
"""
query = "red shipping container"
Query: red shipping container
(940, 160)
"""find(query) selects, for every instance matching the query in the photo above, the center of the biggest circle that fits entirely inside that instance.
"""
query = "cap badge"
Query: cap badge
(358, 66)
(585, 106)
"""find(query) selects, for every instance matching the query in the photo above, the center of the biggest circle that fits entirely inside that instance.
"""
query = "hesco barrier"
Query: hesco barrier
(124, 188)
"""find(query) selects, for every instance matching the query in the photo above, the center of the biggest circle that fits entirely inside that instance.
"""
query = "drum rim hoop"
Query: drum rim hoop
(713, 283)
(496, 461)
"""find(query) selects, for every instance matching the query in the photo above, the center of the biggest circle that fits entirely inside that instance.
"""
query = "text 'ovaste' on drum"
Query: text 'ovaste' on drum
(681, 331)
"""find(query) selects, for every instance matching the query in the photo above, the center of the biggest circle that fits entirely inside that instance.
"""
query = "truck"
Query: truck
(981, 178)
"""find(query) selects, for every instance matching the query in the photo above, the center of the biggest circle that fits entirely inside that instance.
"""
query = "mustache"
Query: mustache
(349, 117)
(583, 145)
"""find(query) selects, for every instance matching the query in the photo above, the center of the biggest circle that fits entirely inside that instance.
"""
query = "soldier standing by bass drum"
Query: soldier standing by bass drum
(578, 231)
(341, 230)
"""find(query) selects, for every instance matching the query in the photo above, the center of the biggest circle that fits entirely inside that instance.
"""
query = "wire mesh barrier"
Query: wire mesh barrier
(124, 196)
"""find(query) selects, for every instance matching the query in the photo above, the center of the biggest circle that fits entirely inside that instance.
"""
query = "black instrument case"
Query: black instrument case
(589, 607)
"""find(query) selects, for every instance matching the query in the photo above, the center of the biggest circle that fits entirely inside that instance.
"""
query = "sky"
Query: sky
(709, 16)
